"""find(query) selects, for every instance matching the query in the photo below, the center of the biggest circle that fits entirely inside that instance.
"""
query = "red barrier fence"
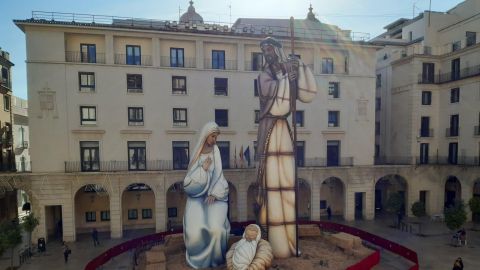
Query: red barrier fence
(374, 239)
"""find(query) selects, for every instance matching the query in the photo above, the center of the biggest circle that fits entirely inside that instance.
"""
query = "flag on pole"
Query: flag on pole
(246, 154)
(241, 156)
(235, 157)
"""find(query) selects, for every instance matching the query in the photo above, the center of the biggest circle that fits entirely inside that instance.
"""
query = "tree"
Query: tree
(395, 204)
(474, 204)
(418, 210)
(455, 216)
(29, 223)
(10, 237)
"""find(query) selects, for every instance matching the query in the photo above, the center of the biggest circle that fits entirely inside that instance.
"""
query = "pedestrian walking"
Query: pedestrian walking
(66, 251)
(458, 264)
(329, 213)
(95, 237)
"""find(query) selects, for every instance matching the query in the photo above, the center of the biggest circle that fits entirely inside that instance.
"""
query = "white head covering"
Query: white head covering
(245, 251)
(208, 128)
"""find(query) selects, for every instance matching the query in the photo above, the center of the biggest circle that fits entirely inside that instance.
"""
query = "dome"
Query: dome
(191, 16)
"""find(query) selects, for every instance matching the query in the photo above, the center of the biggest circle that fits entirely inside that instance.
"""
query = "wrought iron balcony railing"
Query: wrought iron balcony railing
(79, 57)
(186, 62)
(476, 131)
(449, 76)
(426, 132)
(142, 60)
(227, 65)
(452, 132)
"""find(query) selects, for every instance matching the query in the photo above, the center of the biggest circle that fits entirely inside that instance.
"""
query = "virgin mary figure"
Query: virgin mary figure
(205, 223)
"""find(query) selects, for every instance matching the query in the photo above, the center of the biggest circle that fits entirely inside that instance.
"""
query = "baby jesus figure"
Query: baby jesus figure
(251, 252)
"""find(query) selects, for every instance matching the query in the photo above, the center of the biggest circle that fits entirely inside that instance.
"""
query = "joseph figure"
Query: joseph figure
(276, 170)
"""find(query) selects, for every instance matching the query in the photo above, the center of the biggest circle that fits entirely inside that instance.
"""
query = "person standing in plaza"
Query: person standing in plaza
(458, 264)
(329, 213)
(95, 237)
(276, 172)
(66, 252)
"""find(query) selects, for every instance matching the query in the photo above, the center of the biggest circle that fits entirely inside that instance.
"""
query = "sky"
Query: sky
(366, 16)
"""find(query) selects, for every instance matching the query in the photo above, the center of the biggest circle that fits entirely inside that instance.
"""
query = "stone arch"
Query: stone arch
(176, 200)
(232, 202)
(453, 191)
(332, 193)
(138, 207)
(92, 210)
(386, 186)
(304, 199)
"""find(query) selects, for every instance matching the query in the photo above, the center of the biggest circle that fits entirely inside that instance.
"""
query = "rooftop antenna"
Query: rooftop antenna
(230, 7)
(179, 12)
(429, 12)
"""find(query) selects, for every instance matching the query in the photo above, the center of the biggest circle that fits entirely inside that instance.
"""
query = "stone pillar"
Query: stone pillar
(241, 56)
(412, 196)
(160, 208)
(156, 52)
(349, 211)
(199, 54)
(68, 221)
(315, 200)
(467, 194)
(109, 49)
(41, 230)
(369, 206)
(116, 224)
(242, 207)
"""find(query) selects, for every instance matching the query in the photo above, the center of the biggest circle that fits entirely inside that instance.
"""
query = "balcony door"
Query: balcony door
(455, 69)
(333, 153)
(425, 126)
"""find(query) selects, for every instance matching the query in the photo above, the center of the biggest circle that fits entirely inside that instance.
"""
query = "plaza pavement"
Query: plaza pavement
(434, 250)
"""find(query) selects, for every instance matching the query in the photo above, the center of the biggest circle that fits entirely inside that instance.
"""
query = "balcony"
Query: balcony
(323, 162)
(5, 82)
(449, 76)
(78, 57)
(188, 62)
(394, 160)
(118, 166)
(476, 131)
(426, 133)
(452, 132)
(227, 65)
(445, 160)
(143, 60)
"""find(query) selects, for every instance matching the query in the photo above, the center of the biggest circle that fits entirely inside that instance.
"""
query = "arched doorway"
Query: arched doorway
(304, 199)
(385, 188)
(252, 202)
(176, 200)
(138, 209)
(332, 193)
(453, 191)
(92, 210)
(232, 203)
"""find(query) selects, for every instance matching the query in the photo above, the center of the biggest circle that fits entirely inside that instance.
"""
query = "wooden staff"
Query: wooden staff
(293, 104)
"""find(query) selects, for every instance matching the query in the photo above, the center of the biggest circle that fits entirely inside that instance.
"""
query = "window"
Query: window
(6, 103)
(221, 86)
(454, 120)
(425, 126)
(86, 82)
(218, 59)
(333, 90)
(377, 150)
(89, 156)
(137, 156)
(255, 88)
(180, 155)
(135, 116)
(221, 117)
(147, 213)
(423, 153)
(257, 116)
(300, 153)
(378, 82)
(471, 38)
(257, 61)
(179, 85)
(378, 104)
(172, 212)
(333, 118)
(300, 119)
(453, 153)
(377, 128)
(180, 117)
(132, 214)
(176, 57)
(4, 76)
(455, 95)
(88, 115)
(327, 65)
(224, 148)
(333, 153)
(426, 97)
(88, 53)
(410, 35)
(134, 83)
(456, 46)
(90, 216)
(428, 72)
(455, 69)
(133, 55)
(105, 215)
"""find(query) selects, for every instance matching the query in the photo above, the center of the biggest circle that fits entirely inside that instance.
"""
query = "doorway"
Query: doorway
(53, 222)
(359, 203)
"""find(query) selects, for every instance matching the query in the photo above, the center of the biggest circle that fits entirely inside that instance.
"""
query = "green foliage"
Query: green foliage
(30, 222)
(474, 204)
(395, 203)
(10, 235)
(418, 209)
(455, 216)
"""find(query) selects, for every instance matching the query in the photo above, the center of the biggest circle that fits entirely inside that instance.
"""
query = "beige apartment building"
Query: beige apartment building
(428, 92)
(116, 104)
